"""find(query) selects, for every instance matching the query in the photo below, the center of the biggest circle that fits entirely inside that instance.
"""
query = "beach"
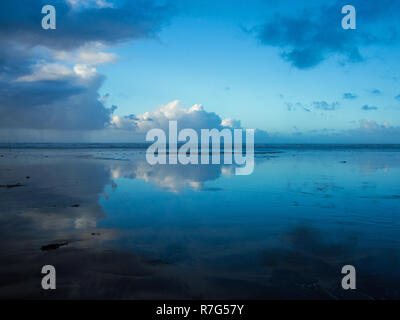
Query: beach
(116, 227)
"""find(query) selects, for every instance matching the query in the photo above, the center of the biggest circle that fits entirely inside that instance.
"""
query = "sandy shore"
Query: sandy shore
(116, 227)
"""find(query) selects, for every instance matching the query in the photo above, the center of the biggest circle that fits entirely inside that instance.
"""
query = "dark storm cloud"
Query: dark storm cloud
(310, 37)
(21, 21)
(39, 92)
(53, 105)
(65, 102)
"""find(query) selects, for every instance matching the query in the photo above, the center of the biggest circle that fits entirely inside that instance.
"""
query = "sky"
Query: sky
(112, 70)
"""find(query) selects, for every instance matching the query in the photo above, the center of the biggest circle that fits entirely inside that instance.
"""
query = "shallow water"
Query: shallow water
(115, 227)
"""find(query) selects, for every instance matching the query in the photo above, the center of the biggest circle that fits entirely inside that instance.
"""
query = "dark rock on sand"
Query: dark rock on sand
(8, 186)
(75, 206)
(53, 246)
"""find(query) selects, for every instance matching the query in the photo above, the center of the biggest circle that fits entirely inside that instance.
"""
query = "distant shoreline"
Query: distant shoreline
(142, 146)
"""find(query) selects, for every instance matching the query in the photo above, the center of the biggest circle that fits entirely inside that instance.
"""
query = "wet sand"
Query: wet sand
(116, 227)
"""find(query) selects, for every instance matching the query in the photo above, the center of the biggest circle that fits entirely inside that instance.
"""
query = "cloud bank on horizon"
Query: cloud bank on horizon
(50, 84)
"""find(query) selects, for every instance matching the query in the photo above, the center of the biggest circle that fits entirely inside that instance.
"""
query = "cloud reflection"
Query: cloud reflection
(172, 178)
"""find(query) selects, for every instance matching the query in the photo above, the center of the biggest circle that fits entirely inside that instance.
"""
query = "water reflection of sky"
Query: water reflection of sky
(144, 231)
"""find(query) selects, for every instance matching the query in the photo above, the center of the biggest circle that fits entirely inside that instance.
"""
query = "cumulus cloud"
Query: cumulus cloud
(90, 54)
(323, 105)
(194, 117)
(47, 71)
(231, 123)
(84, 71)
(315, 34)
(349, 96)
(366, 132)
(376, 92)
(371, 131)
(368, 108)
(296, 106)
(57, 71)
(48, 79)
(371, 125)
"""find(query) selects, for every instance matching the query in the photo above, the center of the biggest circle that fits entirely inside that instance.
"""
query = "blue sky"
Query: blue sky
(240, 78)
(288, 70)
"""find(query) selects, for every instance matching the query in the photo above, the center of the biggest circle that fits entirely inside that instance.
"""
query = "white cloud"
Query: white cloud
(194, 117)
(84, 71)
(57, 71)
(174, 179)
(90, 54)
(95, 58)
(47, 71)
(231, 123)
(371, 125)
(88, 3)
